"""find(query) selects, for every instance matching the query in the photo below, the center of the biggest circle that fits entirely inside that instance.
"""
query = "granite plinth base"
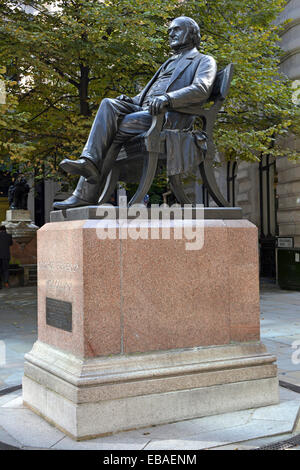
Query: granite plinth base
(141, 331)
(91, 397)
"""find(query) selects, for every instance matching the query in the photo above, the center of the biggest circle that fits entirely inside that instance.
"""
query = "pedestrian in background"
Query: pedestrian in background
(146, 200)
(5, 243)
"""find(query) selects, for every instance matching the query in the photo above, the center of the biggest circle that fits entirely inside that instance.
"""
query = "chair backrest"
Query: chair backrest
(218, 95)
(222, 84)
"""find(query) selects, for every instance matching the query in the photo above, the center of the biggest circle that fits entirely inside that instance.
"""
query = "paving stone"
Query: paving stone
(206, 440)
(7, 439)
(288, 395)
(234, 447)
(292, 377)
(9, 397)
(283, 412)
(118, 442)
(28, 428)
(254, 444)
(15, 403)
(268, 440)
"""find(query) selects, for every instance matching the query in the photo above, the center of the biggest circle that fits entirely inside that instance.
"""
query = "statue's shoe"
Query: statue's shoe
(72, 201)
(82, 167)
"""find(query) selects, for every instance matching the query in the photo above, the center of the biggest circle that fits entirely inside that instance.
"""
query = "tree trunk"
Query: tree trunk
(83, 90)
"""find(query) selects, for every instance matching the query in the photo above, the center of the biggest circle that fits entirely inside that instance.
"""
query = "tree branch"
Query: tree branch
(60, 72)
(52, 105)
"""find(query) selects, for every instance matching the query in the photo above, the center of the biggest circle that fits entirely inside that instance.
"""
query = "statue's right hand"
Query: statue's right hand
(124, 98)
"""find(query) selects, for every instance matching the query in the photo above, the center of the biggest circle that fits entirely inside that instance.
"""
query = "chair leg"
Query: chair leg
(209, 179)
(178, 189)
(110, 185)
(149, 170)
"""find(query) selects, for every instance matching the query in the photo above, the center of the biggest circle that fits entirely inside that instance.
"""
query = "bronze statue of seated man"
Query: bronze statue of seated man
(184, 80)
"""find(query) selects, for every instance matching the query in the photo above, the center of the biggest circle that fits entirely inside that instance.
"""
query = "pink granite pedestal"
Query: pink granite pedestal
(147, 332)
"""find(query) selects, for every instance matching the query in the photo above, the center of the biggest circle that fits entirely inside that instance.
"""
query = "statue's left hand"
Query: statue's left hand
(158, 105)
(125, 98)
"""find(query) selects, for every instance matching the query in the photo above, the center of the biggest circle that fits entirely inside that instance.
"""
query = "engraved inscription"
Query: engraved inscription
(59, 314)
(58, 287)
(52, 266)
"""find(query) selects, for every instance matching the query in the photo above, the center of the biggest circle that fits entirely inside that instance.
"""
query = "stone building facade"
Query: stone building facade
(269, 192)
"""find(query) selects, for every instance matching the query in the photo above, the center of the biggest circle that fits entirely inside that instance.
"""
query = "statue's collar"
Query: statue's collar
(188, 53)
(191, 53)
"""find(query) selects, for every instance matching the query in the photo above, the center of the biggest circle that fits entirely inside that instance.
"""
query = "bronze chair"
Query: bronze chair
(141, 156)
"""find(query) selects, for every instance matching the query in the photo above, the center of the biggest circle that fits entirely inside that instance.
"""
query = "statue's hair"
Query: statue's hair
(194, 29)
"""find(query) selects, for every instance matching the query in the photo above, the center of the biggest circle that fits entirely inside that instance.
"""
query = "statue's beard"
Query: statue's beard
(184, 46)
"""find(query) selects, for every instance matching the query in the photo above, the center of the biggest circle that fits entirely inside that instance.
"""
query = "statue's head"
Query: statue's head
(184, 31)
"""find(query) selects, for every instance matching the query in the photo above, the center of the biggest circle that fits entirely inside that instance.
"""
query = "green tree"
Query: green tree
(260, 108)
(63, 57)
(12, 120)
(66, 56)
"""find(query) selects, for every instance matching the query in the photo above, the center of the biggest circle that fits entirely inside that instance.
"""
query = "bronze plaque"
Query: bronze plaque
(59, 314)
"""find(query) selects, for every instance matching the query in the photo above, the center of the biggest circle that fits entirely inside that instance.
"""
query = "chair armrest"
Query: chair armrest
(152, 136)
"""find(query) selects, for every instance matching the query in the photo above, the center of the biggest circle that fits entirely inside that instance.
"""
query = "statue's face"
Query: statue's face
(179, 34)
